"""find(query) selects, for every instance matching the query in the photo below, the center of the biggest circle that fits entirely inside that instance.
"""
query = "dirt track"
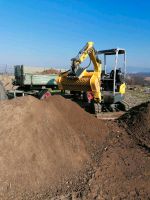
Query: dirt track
(54, 150)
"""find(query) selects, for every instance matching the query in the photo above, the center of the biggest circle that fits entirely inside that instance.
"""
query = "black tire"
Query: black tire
(3, 94)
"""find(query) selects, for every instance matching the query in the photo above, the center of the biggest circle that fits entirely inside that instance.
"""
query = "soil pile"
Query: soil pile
(137, 123)
(46, 146)
(51, 71)
(123, 171)
(52, 149)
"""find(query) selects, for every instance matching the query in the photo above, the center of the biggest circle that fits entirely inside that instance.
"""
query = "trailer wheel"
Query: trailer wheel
(44, 94)
(3, 94)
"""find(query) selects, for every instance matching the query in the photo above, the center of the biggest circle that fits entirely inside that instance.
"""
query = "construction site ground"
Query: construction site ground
(53, 149)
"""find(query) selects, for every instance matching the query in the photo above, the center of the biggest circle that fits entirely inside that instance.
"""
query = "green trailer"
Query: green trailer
(32, 81)
(33, 77)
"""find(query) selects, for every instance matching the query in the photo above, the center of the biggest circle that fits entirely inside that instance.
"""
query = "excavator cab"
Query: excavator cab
(113, 78)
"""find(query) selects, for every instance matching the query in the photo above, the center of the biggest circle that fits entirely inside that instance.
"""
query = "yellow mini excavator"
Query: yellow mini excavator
(97, 89)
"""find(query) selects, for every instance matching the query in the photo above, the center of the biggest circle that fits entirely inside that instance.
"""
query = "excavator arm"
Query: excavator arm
(82, 55)
(88, 50)
(78, 78)
(95, 79)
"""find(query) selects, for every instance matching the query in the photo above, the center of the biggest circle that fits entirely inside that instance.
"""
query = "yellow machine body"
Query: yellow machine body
(122, 88)
(86, 81)
(106, 89)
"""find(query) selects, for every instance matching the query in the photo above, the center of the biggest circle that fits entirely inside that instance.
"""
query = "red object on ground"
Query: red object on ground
(90, 96)
(46, 95)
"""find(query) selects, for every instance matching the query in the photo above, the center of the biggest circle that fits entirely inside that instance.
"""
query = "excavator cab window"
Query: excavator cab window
(111, 81)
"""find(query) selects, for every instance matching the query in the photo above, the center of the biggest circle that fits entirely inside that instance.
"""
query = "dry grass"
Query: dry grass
(7, 81)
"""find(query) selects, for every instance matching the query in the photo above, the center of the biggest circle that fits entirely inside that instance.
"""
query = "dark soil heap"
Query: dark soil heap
(46, 146)
(137, 123)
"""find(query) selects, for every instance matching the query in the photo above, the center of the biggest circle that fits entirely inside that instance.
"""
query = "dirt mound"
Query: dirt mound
(123, 171)
(45, 146)
(51, 71)
(137, 123)
(52, 149)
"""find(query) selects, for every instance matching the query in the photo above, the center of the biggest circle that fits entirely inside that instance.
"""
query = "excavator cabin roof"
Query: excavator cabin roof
(112, 51)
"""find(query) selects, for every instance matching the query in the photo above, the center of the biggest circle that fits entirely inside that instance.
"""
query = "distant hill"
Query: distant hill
(143, 74)
(140, 78)
(138, 69)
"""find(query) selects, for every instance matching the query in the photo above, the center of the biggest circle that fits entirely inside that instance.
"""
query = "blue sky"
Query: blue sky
(50, 33)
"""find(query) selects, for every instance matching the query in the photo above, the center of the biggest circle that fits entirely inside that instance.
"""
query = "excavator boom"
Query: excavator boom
(78, 78)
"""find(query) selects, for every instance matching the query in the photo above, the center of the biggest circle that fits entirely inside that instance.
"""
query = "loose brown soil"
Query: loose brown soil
(123, 171)
(52, 149)
(45, 145)
(51, 71)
